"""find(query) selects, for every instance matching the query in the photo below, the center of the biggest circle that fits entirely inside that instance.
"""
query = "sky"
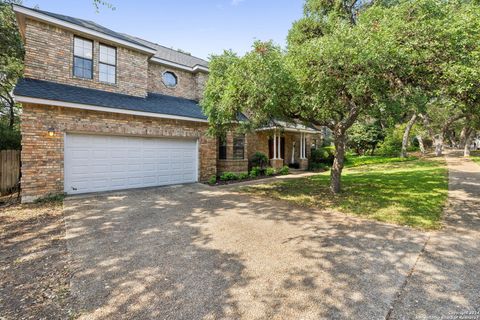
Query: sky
(201, 27)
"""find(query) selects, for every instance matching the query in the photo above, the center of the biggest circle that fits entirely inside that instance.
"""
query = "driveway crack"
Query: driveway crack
(401, 289)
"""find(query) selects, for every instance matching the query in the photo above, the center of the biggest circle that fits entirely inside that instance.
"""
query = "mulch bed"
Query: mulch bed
(34, 264)
(222, 183)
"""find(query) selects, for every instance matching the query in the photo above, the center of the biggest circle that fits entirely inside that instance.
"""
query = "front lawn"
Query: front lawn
(475, 156)
(355, 161)
(410, 192)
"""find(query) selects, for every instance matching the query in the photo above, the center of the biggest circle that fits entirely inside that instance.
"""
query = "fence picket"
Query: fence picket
(9, 170)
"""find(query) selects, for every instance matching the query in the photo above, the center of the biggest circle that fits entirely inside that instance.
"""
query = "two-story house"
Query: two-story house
(106, 111)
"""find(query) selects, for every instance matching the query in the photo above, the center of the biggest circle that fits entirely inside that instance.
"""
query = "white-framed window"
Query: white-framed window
(169, 79)
(82, 58)
(107, 64)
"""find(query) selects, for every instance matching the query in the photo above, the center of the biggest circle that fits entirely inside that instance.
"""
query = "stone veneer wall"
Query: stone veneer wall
(42, 156)
(186, 86)
(49, 56)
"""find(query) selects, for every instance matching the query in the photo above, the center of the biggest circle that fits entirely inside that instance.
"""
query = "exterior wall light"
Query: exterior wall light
(51, 132)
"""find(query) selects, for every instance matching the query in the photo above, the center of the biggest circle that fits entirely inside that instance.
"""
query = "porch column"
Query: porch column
(301, 145)
(274, 144)
(279, 148)
(303, 161)
(304, 147)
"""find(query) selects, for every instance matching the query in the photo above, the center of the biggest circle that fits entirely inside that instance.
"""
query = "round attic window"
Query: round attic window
(169, 79)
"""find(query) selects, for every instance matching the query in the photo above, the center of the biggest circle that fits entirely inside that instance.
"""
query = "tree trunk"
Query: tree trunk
(462, 137)
(468, 140)
(438, 141)
(12, 116)
(338, 162)
(406, 134)
(420, 144)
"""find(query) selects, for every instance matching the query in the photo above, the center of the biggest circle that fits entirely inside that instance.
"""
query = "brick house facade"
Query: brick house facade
(139, 103)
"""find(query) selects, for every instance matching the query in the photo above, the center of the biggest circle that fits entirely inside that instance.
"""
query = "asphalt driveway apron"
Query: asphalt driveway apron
(196, 252)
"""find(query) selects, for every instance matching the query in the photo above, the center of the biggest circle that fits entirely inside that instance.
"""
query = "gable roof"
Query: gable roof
(173, 55)
(160, 53)
(171, 107)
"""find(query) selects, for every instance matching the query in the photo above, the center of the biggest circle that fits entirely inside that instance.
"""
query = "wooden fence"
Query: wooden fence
(9, 170)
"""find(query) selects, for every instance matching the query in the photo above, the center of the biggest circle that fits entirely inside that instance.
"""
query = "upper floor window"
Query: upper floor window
(82, 58)
(169, 79)
(239, 147)
(107, 64)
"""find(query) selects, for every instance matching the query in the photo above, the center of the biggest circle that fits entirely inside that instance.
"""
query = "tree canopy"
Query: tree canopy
(350, 58)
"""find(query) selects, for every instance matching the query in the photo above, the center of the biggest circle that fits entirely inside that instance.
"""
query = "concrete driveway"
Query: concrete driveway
(197, 252)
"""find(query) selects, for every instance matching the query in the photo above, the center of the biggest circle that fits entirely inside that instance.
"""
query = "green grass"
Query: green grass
(409, 193)
(355, 161)
(475, 156)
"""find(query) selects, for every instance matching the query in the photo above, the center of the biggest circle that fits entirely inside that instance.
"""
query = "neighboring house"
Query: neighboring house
(107, 111)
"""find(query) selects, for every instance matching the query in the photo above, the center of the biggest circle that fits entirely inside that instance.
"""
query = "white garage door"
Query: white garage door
(101, 163)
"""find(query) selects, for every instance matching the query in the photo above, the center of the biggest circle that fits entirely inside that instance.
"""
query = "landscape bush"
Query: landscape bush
(284, 170)
(259, 160)
(321, 157)
(270, 171)
(212, 180)
(243, 175)
(227, 176)
(255, 172)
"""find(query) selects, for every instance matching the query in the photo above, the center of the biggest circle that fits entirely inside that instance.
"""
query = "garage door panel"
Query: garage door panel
(101, 163)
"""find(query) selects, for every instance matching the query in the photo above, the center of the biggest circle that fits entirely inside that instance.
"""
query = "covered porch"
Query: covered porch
(289, 144)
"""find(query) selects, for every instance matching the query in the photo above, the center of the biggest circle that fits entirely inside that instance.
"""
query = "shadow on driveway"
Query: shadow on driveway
(196, 252)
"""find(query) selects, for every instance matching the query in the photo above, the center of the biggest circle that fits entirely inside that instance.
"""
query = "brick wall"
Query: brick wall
(236, 166)
(189, 85)
(49, 56)
(42, 156)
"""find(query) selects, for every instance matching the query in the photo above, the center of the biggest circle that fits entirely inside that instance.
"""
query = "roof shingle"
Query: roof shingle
(154, 103)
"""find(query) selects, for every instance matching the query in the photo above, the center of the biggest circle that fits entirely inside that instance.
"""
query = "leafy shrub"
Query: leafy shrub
(392, 144)
(255, 172)
(9, 138)
(364, 137)
(284, 170)
(324, 155)
(243, 175)
(226, 176)
(212, 180)
(270, 171)
(259, 160)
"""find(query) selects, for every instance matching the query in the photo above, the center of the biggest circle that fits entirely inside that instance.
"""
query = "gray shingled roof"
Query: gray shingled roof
(91, 25)
(155, 103)
(161, 51)
(171, 54)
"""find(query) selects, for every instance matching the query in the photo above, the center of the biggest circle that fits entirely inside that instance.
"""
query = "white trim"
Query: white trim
(23, 99)
(198, 160)
(46, 18)
(178, 65)
(289, 129)
(275, 144)
(279, 149)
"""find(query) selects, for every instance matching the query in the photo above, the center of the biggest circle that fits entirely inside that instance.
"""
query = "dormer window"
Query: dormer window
(107, 64)
(82, 58)
(169, 79)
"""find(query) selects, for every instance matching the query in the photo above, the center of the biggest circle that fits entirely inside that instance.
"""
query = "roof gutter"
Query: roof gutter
(22, 12)
(194, 69)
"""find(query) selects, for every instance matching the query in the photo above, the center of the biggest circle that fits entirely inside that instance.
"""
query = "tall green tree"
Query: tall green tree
(11, 62)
